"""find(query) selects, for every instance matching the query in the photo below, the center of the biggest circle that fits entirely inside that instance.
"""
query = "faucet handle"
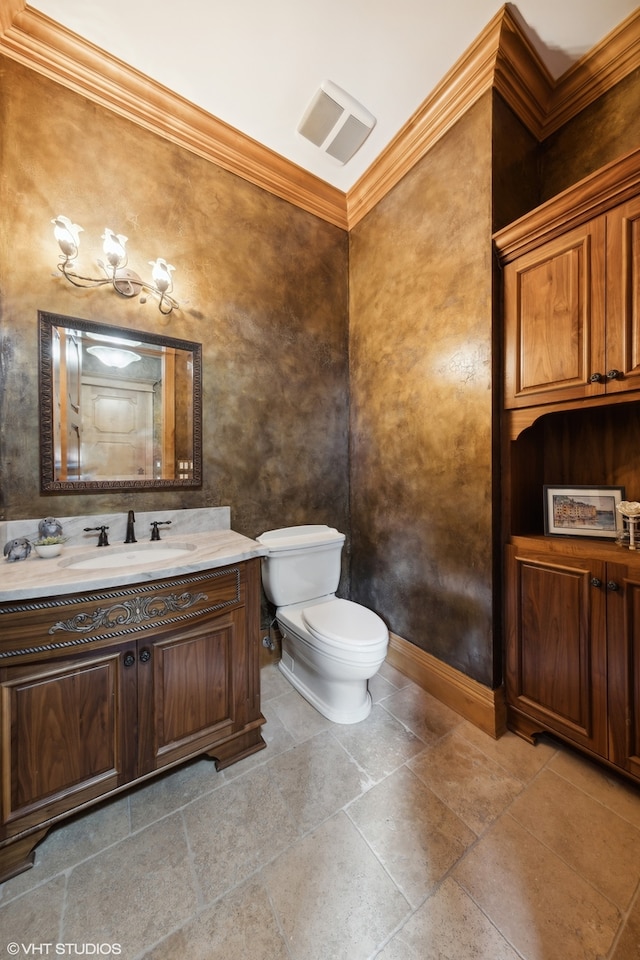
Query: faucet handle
(102, 539)
(155, 533)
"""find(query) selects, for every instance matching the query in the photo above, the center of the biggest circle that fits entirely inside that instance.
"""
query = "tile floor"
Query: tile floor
(409, 836)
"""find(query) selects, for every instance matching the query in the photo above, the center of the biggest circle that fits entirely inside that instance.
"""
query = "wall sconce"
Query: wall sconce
(123, 280)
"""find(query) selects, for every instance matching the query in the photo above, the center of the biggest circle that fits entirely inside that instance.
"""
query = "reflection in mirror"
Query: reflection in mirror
(119, 409)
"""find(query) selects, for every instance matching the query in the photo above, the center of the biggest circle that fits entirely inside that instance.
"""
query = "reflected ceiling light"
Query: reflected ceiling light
(119, 341)
(111, 357)
(123, 280)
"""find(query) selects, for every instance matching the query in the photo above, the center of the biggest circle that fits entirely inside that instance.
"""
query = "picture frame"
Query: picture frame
(583, 511)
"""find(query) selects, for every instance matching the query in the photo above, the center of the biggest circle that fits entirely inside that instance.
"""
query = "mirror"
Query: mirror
(119, 409)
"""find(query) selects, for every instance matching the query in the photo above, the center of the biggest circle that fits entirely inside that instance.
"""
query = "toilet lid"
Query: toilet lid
(342, 620)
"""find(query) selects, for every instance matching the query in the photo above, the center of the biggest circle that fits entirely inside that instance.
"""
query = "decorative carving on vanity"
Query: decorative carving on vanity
(135, 611)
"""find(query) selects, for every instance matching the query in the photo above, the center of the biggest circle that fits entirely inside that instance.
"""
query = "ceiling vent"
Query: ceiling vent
(335, 122)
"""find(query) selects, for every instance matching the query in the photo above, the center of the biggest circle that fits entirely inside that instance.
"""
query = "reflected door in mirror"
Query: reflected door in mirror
(119, 408)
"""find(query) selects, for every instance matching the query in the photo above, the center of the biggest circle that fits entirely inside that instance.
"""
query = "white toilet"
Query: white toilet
(330, 647)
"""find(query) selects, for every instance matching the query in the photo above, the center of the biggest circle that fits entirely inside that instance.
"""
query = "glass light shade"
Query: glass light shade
(161, 274)
(114, 358)
(68, 236)
(114, 247)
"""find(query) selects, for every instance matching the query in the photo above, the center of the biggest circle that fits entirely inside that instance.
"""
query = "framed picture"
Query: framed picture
(583, 511)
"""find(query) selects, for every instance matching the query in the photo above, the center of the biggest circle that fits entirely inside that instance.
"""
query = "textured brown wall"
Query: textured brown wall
(606, 130)
(263, 287)
(421, 399)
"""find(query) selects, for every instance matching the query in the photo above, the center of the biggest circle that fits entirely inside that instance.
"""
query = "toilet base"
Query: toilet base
(343, 701)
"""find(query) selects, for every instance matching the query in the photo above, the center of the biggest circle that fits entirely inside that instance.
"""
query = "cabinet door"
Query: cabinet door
(68, 735)
(623, 623)
(555, 320)
(623, 297)
(556, 647)
(192, 687)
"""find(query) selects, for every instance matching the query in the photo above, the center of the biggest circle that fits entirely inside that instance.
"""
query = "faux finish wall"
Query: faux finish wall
(262, 285)
(421, 402)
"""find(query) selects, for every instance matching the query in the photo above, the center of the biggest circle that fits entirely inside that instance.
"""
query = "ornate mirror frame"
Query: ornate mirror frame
(48, 377)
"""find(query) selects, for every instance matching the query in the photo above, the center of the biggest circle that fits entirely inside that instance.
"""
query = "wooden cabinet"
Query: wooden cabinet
(572, 295)
(103, 689)
(556, 663)
(571, 284)
(573, 647)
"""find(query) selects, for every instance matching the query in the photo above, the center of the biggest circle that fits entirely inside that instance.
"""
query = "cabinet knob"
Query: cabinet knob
(145, 655)
(613, 374)
(596, 378)
(596, 582)
(612, 585)
(129, 660)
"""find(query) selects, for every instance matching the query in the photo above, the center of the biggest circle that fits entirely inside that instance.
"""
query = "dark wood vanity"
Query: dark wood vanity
(105, 688)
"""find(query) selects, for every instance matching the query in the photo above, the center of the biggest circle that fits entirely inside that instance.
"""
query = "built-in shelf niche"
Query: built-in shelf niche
(595, 447)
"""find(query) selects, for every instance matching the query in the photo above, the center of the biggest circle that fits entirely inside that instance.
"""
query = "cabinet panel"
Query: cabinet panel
(554, 319)
(188, 691)
(623, 295)
(556, 652)
(65, 734)
(623, 622)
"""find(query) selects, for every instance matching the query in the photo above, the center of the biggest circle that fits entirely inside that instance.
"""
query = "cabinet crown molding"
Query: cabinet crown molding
(609, 186)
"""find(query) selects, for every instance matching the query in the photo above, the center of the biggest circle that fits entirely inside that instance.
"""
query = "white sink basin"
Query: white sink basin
(140, 555)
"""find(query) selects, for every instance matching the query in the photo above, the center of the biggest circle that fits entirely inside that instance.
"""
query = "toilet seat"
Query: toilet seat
(343, 623)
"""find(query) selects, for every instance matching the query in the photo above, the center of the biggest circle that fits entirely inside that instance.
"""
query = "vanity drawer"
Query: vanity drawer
(42, 629)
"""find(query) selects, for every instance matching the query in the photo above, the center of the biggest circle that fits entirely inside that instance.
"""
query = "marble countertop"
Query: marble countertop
(37, 577)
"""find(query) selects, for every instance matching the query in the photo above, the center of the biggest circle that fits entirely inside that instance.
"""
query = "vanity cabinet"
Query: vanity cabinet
(573, 646)
(572, 304)
(101, 690)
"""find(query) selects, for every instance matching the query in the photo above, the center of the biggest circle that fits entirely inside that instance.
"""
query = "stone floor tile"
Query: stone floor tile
(610, 788)
(34, 918)
(542, 907)
(133, 893)
(333, 898)
(298, 717)
(72, 841)
(316, 778)
(379, 744)
(273, 684)
(240, 926)
(172, 790)
(425, 716)
(475, 787)
(523, 760)
(414, 835)
(399, 680)
(380, 688)
(448, 926)
(601, 846)
(627, 946)
(235, 830)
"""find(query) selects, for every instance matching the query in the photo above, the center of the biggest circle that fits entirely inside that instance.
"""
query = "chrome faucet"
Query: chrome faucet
(130, 537)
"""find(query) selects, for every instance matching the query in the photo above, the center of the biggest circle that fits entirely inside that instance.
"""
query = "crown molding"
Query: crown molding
(502, 59)
(609, 62)
(55, 52)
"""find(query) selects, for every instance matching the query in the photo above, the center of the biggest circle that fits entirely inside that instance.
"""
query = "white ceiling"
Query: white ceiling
(256, 65)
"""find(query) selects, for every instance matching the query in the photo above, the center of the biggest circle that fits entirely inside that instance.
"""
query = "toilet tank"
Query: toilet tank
(303, 563)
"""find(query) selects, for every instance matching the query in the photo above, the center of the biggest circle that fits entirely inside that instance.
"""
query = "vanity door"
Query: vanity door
(192, 690)
(66, 734)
